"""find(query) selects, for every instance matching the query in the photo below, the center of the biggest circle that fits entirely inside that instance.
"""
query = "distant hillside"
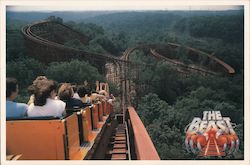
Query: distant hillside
(80, 16)
(134, 19)
(67, 16)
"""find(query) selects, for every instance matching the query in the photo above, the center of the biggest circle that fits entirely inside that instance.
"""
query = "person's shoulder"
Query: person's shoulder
(23, 108)
(55, 102)
(58, 105)
(22, 105)
(76, 100)
(58, 101)
(9, 103)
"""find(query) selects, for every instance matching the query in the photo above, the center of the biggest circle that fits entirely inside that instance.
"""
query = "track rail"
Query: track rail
(181, 64)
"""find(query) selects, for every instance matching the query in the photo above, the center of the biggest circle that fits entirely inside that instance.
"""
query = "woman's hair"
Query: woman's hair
(31, 88)
(65, 92)
(11, 86)
(82, 91)
(42, 90)
(39, 78)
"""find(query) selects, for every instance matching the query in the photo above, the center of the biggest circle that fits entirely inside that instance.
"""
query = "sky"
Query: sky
(84, 8)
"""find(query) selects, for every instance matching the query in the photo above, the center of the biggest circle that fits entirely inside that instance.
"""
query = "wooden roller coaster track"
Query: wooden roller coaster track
(29, 34)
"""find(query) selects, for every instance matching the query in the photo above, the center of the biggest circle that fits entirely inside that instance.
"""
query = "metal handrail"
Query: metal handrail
(128, 142)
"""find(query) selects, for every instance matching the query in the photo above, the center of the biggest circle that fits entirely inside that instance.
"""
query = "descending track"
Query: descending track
(70, 52)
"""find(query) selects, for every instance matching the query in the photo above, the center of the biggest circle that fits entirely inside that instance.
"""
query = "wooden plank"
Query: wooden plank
(119, 157)
(118, 151)
(120, 138)
(119, 145)
(119, 142)
(120, 135)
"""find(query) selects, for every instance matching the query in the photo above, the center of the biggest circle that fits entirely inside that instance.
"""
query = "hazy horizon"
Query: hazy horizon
(49, 9)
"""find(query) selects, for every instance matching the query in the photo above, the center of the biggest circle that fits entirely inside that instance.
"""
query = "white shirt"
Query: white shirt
(51, 108)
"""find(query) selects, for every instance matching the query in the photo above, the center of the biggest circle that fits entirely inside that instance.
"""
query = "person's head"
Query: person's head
(11, 88)
(65, 92)
(31, 88)
(44, 89)
(39, 78)
(82, 91)
(88, 89)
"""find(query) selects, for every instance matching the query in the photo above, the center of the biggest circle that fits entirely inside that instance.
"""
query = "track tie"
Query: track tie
(119, 157)
(119, 135)
(119, 142)
(123, 145)
(118, 138)
(118, 151)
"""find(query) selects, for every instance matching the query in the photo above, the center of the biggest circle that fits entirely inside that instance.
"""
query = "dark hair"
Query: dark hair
(74, 88)
(65, 91)
(93, 91)
(82, 91)
(88, 89)
(42, 90)
(11, 86)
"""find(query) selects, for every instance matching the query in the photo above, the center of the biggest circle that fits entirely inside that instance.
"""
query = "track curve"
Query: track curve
(225, 68)
(31, 36)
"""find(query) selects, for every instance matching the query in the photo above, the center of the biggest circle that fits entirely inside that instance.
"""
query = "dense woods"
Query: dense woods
(169, 102)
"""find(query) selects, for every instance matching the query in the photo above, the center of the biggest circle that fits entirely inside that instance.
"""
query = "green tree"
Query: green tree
(25, 71)
(166, 83)
(159, 119)
(73, 71)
